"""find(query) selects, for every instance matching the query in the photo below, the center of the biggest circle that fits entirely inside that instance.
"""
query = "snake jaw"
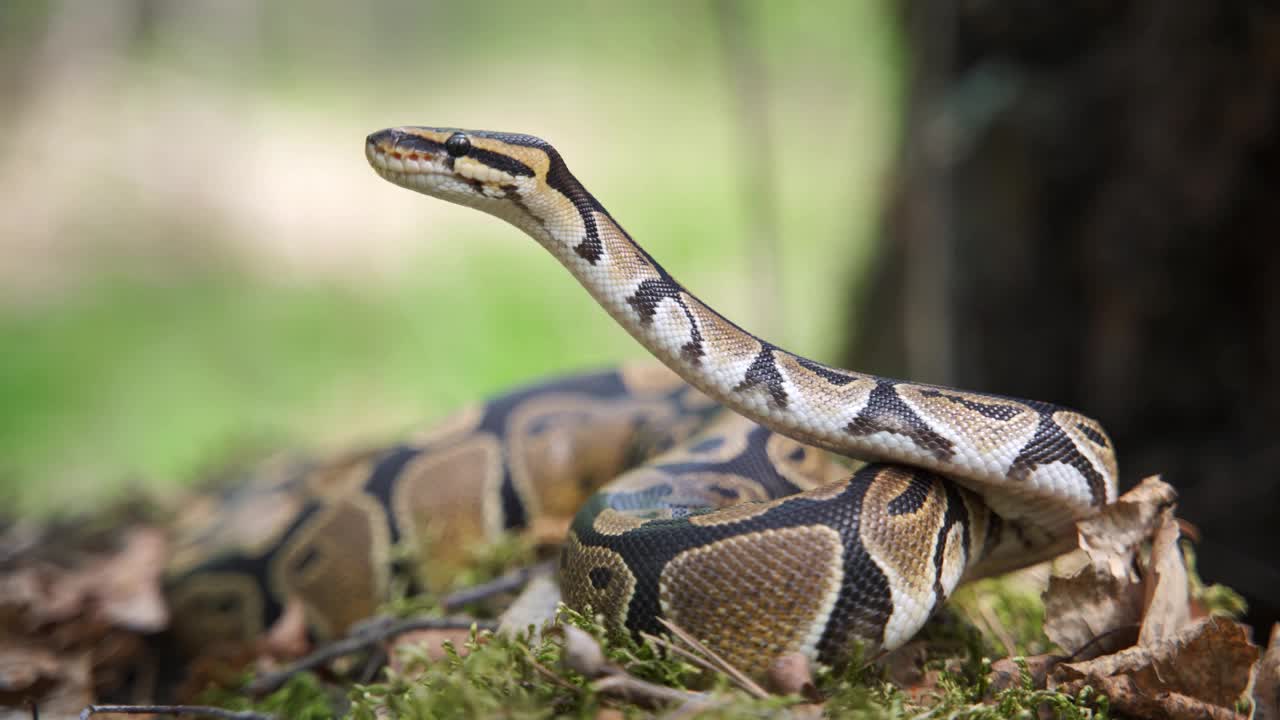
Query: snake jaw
(490, 177)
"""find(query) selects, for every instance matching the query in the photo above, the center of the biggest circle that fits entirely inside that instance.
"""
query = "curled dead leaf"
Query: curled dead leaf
(1092, 612)
(1112, 537)
(1210, 661)
(790, 674)
(1166, 590)
(904, 667)
(287, 637)
(59, 684)
(1117, 598)
(128, 584)
(1266, 683)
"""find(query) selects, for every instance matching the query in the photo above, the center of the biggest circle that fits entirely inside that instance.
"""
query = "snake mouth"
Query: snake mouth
(396, 153)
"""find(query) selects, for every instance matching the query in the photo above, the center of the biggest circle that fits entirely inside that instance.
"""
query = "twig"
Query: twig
(370, 634)
(547, 672)
(503, 583)
(205, 710)
(689, 655)
(633, 689)
(997, 628)
(721, 664)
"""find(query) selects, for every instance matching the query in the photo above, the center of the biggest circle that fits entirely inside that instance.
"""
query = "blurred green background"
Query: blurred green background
(196, 261)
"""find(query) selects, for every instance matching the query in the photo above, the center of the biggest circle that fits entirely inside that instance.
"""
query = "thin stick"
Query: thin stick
(722, 665)
(503, 583)
(548, 672)
(207, 711)
(692, 657)
(629, 687)
(371, 634)
(997, 628)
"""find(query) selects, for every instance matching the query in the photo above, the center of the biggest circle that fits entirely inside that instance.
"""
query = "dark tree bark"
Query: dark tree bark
(1087, 211)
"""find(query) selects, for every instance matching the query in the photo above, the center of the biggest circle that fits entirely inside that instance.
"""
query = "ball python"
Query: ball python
(321, 532)
(728, 504)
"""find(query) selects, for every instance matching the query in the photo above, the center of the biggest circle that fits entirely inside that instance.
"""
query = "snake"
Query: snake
(762, 501)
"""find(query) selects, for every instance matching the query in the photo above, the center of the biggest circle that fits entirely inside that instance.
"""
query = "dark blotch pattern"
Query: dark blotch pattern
(498, 161)
(824, 372)
(1049, 445)
(990, 410)
(1094, 436)
(912, 498)
(764, 373)
(885, 411)
(600, 577)
(645, 300)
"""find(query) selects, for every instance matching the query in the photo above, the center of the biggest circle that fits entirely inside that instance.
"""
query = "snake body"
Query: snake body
(746, 533)
(319, 533)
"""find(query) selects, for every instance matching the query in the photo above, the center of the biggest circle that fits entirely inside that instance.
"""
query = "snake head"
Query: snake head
(504, 174)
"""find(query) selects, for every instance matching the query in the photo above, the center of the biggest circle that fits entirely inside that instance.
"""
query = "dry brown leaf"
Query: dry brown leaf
(1007, 672)
(1167, 604)
(120, 589)
(790, 674)
(1111, 601)
(1092, 610)
(287, 637)
(1127, 697)
(1112, 537)
(60, 684)
(1210, 661)
(127, 585)
(1266, 683)
(904, 667)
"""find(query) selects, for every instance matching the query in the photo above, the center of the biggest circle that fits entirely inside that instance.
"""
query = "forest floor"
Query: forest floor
(1121, 627)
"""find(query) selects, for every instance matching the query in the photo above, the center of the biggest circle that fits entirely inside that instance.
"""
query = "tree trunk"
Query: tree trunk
(1087, 211)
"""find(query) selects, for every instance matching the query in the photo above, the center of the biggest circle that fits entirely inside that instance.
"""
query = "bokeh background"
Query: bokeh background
(197, 261)
(1073, 201)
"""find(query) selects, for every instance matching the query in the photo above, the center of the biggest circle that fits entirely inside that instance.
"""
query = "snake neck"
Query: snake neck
(1007, 449)
(851, 413)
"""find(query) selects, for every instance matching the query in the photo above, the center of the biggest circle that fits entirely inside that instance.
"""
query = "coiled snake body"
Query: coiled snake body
(733, 538)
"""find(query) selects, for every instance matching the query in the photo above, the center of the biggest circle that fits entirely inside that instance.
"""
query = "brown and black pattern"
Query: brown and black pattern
(886, 412)
(721, 525)
(321, 533)
(861, 603)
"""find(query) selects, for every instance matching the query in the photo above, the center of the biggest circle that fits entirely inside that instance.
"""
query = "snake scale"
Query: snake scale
(728, 505)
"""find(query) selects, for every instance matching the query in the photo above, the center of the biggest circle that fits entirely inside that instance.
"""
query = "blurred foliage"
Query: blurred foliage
(196, 264)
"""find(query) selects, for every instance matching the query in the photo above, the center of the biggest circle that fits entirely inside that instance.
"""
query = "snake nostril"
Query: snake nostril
(384, 139)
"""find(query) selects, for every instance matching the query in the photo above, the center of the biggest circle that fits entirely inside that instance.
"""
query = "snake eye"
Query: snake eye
(458, 144)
